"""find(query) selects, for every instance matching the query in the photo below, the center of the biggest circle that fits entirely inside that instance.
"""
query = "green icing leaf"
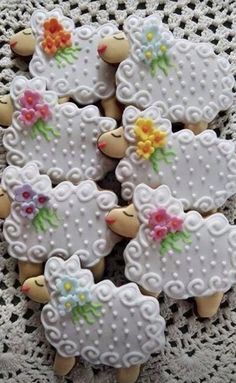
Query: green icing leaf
(44, 219)
(171, 242)
(89, 312)
(161, 154)
(66, 56)
(42, 128)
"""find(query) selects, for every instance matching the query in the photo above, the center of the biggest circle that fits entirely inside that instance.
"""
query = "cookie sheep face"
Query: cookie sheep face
(67, 58)
(54, 133)
(180, 253)
(5, 203)
(199, 170)
(114, 49)
(46, 221)
(123, 221)
(118, 327)
(186, 80)
(36, 289)
(113, 144)
(6, 110)
(23, 43)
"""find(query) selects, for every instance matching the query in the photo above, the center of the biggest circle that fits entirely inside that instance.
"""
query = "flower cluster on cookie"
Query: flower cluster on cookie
(57, 42)
(77, 300)
(151, 143)
(154, 49)
(35, 114)
(167, 230)
(33, 207)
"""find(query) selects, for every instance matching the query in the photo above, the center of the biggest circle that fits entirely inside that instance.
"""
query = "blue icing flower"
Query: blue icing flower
(83, 296)
(67, 286)
(66, 304)
(150, 34)
(148, 53)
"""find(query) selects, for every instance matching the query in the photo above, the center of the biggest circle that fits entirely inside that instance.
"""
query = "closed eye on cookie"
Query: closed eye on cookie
(116, 135)
(128, 215)
(38, 284)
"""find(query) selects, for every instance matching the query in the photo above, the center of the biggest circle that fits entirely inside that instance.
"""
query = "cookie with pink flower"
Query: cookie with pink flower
(62, 139)
(182, 254)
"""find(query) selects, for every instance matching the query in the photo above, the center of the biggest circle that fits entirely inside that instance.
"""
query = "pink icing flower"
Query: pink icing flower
(158, 217)
(28, 210)
(159, 232)
(40, 200)
(43, 111)
(28, 117)
(175, 224)
(30, 99)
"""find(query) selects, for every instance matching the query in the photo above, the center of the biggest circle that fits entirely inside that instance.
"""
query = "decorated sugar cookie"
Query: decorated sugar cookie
(46, 221)
(199, 169)
(102, 323)
(186, 80)
(182, 254)
(62, 139)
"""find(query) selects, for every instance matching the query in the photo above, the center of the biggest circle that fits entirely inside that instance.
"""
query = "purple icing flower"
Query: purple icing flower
(158, 233)
(24, 193)
(40, 200)
(30, 99)
(28, 210)
(43, 111)
(28, 117)
(158, 217)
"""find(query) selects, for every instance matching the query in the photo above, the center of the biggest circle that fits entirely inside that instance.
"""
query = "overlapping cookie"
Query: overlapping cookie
(199, 169)
(44, 222)
(186, 80)
(179, 253)
(61, 139)
(102, 323)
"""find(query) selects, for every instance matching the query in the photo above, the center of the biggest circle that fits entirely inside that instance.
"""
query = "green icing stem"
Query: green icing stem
(42, 128)
(89, 312)
(161, 154)
(66, 55)
(171, 242)
(44, 219)
(162, 62)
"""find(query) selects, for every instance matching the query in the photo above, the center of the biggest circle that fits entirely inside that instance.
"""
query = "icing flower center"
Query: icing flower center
(68, 286)
(150, 36)
(26, 195)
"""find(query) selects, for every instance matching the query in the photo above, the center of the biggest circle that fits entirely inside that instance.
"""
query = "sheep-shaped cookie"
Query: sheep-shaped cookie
(179, 253)
(46, 221)
(67, 58)
(199, 169)
(186, 80)
(62, 139)
(102, 323)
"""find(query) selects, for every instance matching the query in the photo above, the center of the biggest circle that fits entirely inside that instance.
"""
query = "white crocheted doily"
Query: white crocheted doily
(197, 350)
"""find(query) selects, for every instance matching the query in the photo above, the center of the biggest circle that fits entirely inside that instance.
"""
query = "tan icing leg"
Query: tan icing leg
(62, 100)
(148, 293)
(62, 366)
(208, 213)
(197, 128)
(128, 375)
(28, 270)
(98, 270)
(208, 306)
(112, 108)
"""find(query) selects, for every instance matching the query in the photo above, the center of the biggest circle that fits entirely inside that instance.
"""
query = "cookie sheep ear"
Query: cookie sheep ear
(36, 289)
(6, 110)
(114, 49)
(123, 221)
(113, 144)
(5, 204)
(23, 43)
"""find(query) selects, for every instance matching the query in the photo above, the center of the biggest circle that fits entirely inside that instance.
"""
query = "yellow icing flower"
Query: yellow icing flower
(145, 149)
(144, 128)
(158, 138)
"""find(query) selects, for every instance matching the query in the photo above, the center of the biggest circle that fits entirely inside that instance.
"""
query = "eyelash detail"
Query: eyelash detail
(118, 38)
(116, 136)
(128, 215)
(2, 102)
(1, 195)
(38, 284)
(27, 33)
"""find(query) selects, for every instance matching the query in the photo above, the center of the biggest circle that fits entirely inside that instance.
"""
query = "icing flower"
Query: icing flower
(145, 149)
(30, 99)
(143, 128)
(67, 285)
(158, 138)
(158, 217)
(83, 296)
(148, 54)
(64, 39)
(159, 233)
(50, 45)
(150, 33)
(43, 111)
(40, 200)
(175, 224)
(28, 210)
(28, 117)
(52, 27)
(24, 193)
(67, 303)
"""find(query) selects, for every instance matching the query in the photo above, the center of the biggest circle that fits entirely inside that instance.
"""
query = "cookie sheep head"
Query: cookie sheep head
(36, 289)
(23, 43)
(5, 203)
(114, 49)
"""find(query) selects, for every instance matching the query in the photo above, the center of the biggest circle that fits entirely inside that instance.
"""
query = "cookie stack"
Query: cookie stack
(60, 225)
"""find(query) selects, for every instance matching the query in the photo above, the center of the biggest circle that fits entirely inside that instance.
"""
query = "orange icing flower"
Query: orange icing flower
(143, 128)
(52, 27)
(158, 138)
(145, 149)
(64, 39)
(50, 45)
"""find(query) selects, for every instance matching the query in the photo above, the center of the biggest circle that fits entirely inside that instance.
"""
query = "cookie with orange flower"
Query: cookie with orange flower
(152, 154)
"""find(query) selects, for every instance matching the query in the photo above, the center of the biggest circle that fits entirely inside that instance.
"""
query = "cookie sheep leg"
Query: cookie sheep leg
(28, 270)
(208, 306)
(128, 375)
(197, 128)
(148, 293)
(98, 270)
(62, 366)
(112, 108)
